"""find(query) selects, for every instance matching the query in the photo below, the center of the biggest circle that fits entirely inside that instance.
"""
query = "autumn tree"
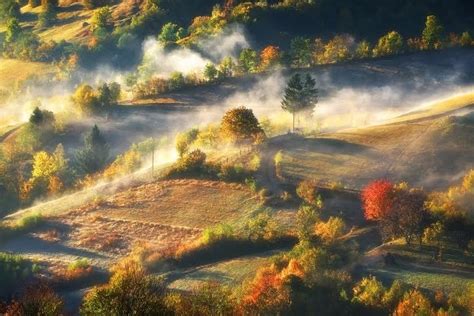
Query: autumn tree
(129, 292)
(363, 50)
(38, 299)
(95, 153)
(226, 68)
(185, 140)
(432, 35)
(389, 44)
(414, 303)
(307, 190)
(269, 57)
(336, 50)
(330, 230)
(466, 39)
(301, 95)
(376, 199)
(399, 210)
(240, 126)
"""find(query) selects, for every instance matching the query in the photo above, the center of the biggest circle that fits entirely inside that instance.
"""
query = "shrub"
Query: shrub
(369, 292)
(39, 299)
(14, 270)
(129, 292)
(307, 190)
(331, 230)
(413, 303)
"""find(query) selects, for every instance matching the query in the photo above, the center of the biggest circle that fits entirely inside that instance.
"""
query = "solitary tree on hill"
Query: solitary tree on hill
(301, 95)
(240, 126)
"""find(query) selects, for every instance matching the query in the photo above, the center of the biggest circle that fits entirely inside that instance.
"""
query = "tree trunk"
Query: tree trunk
(293, 122)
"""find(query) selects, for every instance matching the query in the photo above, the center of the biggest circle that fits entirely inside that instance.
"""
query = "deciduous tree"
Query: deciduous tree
(240, 126)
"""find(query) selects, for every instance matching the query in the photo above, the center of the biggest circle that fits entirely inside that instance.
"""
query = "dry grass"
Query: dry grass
(438, 108)
(188, 203)
(428, 153)
(13, 71)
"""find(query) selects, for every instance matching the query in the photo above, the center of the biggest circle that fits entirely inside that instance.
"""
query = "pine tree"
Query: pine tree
(300, 95)
(95, 153)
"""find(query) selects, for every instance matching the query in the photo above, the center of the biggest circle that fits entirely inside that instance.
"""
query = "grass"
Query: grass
(230, 272)
(437, 108)
(190, 203)
(435, 148)
(426, 280)
(13, 71)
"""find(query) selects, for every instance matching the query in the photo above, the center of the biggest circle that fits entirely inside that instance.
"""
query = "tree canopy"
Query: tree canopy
(301, 95)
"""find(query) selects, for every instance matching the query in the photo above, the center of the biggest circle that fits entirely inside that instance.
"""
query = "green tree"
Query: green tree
(432, 35)
(210, 72)
(226, 68)
(301, 52)
(13, 31)
(185, 140)
(108, 95)
(95, 153)
(363, 50)
(239, 125)
(300, 95)
(466, 39)
(102, 20)
(171, 33)
(248, 61)
(389, 44)
(41, 118)
(9, 9)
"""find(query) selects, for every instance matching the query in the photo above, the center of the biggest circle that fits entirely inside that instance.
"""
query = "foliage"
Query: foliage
(48, 16)
(13, 270)
(248, 61)
(95, 153)
(261, 227)
(307, 190)
(301, 52)
(432, 35)
(414, 303)
(270, 57)
(9, 9)
(102, 19)
(171, 33)
(240, 126)
(39, 299)
(331, 230)
(306, 217)
(129, 292)
(389, 44)
(368, 291)
(376, 199)
(301, 95)
(42, 117)
(399, 210)
(210, 72)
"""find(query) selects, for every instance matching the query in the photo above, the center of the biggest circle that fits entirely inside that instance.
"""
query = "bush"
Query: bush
(129, 292)
(39, 299)
(14, 270)
(307, 190)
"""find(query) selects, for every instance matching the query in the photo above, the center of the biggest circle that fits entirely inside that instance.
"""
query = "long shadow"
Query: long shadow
(28, 244)
(321, 145)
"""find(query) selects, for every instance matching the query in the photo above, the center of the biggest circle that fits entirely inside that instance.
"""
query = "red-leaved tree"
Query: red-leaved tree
(377, 199)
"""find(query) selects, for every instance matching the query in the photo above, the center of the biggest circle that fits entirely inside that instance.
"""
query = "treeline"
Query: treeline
(303, 52)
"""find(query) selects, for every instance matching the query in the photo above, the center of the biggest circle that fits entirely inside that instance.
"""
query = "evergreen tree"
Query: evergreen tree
(95, 153)
(300, 95)
(433, 32)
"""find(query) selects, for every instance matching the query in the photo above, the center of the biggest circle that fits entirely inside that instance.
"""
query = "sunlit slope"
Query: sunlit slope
(460, 102)
(13, 71)
(432, 152)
